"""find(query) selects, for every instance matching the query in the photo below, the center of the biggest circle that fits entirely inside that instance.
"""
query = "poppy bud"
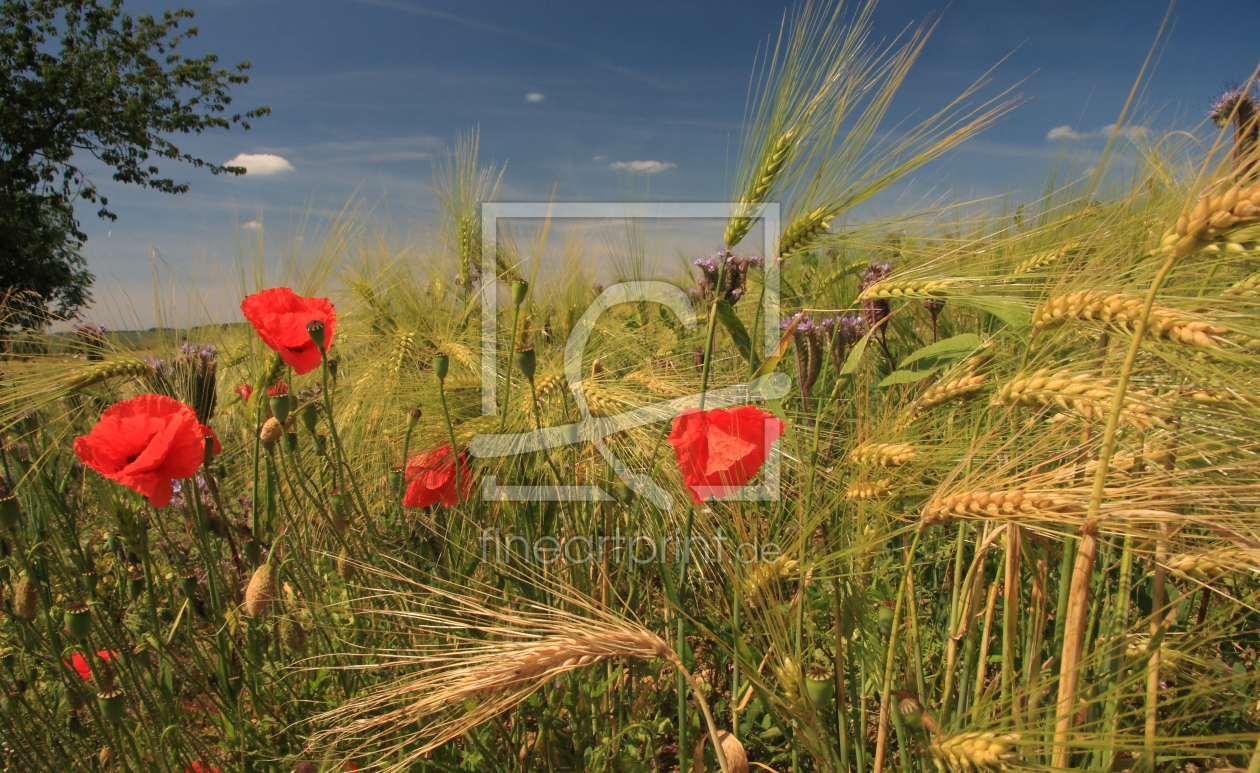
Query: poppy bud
(291, 441)
(105, 757)
(188, 583)
(332, 369)
(315, 329)
(394, 478)
(111, 542)
(345, 568)
(261, 590)
(337, 501)
(90, 578)
(25, 598)
(526, 361)
(441, 366)
(292, 637)
(413, 418)
(270, 433)
(113, 705)
(885, 616)
(10, 511)
(519, 291)
(245, 391)
(321, 445)
(78, 620)
(624, 492)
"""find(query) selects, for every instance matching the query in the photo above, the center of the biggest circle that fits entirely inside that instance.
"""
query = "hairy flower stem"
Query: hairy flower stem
(712, 331)
(341, 466)
(450, 431)
(681, 644)
(1078, 602)
(507, 389)
(885, 702)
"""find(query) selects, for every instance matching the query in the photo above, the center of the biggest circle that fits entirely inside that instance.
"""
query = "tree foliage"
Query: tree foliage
(83, 78)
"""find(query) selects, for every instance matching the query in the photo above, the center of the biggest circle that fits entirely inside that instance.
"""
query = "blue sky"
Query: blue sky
(365, 92)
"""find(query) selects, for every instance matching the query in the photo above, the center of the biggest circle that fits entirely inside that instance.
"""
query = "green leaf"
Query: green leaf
(1007, 310)
(942, 351)
(743, 342)
(908, 376)
(855, 356)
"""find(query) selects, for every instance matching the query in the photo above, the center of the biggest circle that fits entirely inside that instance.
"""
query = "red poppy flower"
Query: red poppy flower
(80, 664)
(279, 390)
(279, 317)
(350, 767)
(431, 478)
(199, 768)
(146, 442)
(245, 391)
(719, 451)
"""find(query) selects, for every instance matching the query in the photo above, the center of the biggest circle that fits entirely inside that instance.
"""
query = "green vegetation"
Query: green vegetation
(1018, 525)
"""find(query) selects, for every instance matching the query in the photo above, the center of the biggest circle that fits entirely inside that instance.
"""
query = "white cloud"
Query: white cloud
(1066, 132)
(261, 163)
(253, 225)
(534, 97)
(647, 167)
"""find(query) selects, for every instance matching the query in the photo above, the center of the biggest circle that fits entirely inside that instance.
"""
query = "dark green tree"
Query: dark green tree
(82, 78)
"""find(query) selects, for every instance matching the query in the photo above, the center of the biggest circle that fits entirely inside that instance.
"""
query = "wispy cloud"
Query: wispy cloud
(258, 164)
(647, 167)
(534, 97)
(253, 225)
(1066, 132)
(411, 8)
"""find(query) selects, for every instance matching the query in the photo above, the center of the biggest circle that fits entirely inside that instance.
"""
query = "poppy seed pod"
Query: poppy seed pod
(441, 366)
(321, 445)
(624, 492)
(78, 620)
(252, 550)
(270, 432)
(10, 511)
(261, 591)
(188, 583)
(519, 291)
(315, 329)
(25, 598)
(413, 418)
(280, 403)
(113, 705)
(309, 415)
(527, 363)
(135, 586)
(90, 579)
(332, 369)
(291, 441)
